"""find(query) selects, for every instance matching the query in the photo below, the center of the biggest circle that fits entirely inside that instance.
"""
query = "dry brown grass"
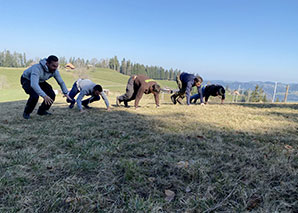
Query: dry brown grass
(232, 158)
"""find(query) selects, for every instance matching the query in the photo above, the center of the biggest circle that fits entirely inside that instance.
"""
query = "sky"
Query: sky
(236, 40)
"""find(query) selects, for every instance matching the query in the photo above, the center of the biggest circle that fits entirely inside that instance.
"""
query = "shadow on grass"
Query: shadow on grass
(124, 160)
(269, 105)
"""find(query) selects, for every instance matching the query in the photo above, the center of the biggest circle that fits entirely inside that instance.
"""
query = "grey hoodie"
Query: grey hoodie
(85, 87)
(39, 73)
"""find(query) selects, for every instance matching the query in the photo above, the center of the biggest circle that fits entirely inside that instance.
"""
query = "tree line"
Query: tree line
(256, 95)
(8, 59)
(126, 67)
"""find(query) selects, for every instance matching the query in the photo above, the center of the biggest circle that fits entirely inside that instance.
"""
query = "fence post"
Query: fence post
(286, 94)
(273, 98)
(248, 96)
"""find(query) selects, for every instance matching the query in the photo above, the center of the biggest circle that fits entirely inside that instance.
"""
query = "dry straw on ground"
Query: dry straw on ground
(214, 158)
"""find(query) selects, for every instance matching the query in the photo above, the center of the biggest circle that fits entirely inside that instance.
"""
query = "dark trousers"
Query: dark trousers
(182, 89)
(75, 90)
(33, 96)
(129, 90)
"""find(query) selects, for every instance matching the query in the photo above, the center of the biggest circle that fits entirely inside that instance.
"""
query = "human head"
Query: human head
(198, 81)
(97, 89)
(156, 88)
(52, 63)
(221, 91)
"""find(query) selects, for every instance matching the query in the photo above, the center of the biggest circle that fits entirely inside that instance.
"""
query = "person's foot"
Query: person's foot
(118, 101)
(71, 105)
(43, 113)
(87, 107)
(125, 104)
(179, 100)
(173, 99)
(26, 115)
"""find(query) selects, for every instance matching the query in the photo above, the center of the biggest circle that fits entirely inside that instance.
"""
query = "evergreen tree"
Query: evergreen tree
(257, 95)
(123, 66)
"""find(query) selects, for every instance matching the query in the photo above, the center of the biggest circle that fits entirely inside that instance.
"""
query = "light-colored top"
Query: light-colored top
(39, 73)
(86, 88)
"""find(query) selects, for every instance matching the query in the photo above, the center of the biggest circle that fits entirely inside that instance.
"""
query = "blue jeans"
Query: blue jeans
(195, 98)
(73, 92)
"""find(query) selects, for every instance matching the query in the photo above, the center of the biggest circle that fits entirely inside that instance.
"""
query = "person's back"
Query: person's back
(143, 82)
(214, 90)
(85, 85)
(186, 77)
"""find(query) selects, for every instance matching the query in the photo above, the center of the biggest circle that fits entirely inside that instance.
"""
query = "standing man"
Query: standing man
(137, 85)
(207, 91)
(185, 83)
(34, 84)
(86, 87)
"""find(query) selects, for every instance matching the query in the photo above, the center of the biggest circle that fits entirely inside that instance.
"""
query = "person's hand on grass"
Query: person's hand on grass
(47, 100)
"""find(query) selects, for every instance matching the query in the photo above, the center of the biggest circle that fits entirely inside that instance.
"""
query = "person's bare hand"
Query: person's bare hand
(67, 96)
(47, 100)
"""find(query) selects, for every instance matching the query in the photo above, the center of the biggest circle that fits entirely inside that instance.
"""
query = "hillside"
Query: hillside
(11, 89)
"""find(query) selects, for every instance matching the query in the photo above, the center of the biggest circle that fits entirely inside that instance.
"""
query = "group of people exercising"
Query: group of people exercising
(34, 83)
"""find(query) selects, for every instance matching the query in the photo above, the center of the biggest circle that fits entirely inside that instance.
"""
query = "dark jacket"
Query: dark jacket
(143, 84)
(187, 84)
(214, 90)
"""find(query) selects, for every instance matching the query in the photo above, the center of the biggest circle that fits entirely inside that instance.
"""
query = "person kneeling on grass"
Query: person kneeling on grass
(34, 84)
(86, 87)
(207, 91)
(185, 82)
(137, 85)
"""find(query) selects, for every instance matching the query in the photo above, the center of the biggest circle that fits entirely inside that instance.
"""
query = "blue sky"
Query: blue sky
(241, 40)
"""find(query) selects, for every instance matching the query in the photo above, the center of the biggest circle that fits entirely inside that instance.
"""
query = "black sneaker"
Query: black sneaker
(87, 107)
(173, 99)
(43, 113)
(125, 104)
(26, 116)
(71, 105)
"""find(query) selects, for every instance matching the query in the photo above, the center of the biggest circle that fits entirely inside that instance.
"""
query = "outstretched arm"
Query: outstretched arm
(104, 97)
(138, 97)
(59, 80)
(156, 97)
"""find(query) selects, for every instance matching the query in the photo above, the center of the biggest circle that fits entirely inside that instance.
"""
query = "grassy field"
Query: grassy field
(213, 158)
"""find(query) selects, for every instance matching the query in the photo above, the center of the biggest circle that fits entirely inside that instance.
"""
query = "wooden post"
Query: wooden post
(248, 96)
(286, 95)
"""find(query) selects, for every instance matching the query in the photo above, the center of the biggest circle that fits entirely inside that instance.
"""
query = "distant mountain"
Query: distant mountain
(267, 86)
